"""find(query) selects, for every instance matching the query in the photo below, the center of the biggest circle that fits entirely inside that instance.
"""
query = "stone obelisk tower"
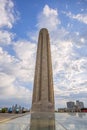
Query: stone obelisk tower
(43, 92)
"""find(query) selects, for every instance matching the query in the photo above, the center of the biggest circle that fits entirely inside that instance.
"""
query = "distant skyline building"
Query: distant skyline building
(43, 92)
(70, 105)
(79, 104)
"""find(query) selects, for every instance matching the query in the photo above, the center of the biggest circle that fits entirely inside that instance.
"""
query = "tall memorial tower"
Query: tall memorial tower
(43, 91)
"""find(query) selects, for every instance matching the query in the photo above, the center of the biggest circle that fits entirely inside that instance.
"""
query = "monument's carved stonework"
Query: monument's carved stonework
(43, 92)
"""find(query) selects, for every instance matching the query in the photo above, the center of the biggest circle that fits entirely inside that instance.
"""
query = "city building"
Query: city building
(83, 109)
(79, 104)
(75, 107)
(62, 109)
(71, 105)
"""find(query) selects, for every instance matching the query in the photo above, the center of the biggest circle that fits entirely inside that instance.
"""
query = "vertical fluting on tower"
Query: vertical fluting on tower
(43, 92)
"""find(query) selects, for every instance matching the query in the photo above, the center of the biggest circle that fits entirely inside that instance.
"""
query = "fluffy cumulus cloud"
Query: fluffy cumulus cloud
(7, 13)
(10, 71)
(13, 74)
(26, 53)
(8, 17)
(69, 68)
(6, 37)
(80, 17)
(70, 72)
(48, 18)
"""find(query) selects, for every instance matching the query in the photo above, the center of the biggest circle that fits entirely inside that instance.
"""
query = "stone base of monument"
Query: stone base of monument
(42, 121)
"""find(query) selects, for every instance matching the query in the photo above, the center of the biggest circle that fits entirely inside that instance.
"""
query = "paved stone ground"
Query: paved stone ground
(8, 116)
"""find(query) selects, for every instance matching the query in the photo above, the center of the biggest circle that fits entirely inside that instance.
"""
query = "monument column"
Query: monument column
(43, 92)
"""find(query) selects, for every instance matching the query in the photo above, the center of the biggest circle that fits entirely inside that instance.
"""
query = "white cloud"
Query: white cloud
(6, 37)
(9, 91)
(26, 53)
(10, 75)
(7, 17)
(47, 11)
(82, 40)
(14, 71)
(77, 33)
(24, 49)
(22, 66)
(69, 72)
(62, 50)
(5, 79)
(5, 58)
(48, 18)
(80, 17)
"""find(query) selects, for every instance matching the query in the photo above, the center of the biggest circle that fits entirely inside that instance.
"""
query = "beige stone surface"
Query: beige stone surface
(43, 92)
(8, 116)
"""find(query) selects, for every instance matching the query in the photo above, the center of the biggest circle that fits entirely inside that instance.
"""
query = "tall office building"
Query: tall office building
(79, 104)
(70, 105)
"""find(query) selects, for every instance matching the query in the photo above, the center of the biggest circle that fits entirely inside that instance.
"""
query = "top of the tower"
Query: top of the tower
(44, 29)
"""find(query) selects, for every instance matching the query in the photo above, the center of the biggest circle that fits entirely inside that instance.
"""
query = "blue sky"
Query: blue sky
(20, 22)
